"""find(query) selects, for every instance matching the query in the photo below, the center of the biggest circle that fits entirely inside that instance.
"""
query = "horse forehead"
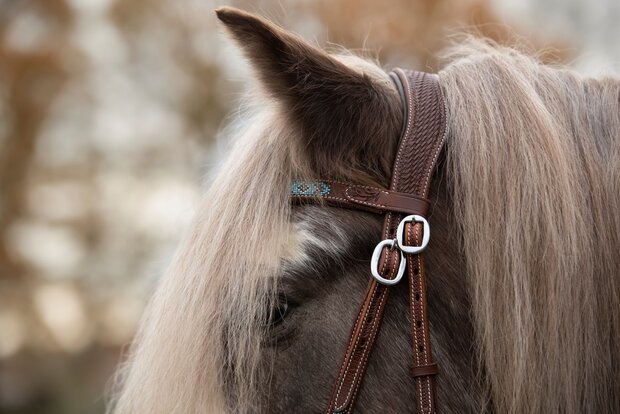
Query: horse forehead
(326, 231)
(313, 230)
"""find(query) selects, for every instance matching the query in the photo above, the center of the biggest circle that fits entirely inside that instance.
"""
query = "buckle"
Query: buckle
(374, 263)
(400, 233)
(398, 243)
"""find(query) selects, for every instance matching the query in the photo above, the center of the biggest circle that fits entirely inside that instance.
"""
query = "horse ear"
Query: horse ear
(342, 111)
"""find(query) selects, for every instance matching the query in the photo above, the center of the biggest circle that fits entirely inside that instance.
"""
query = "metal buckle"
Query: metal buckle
(399, 244)
(426, 235)
(374, 263)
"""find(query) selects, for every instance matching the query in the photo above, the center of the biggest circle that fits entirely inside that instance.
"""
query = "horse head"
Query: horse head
(254, 313)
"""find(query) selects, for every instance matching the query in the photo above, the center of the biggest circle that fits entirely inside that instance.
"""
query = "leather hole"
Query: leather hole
(419, 324)
(363, 341)
(417, 296)
(416, 270)
(421, 348)
(369, 319)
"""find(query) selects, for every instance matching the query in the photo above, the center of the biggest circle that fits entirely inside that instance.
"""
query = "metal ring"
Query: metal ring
(426, 234)
(374, 263)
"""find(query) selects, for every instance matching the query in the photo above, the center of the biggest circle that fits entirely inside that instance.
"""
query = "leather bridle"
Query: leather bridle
(405, 235)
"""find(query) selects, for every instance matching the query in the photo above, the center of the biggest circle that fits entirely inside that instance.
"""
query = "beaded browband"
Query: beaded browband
(405, 234)
(360, 197)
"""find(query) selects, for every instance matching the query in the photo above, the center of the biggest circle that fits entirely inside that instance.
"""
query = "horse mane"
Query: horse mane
(533, 161)
(534, 164)
(202, 326)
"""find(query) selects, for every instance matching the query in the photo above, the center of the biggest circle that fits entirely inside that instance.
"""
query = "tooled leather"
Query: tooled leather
(417, 154)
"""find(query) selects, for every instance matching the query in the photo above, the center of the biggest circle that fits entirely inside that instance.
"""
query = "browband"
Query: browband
(404, 239)
(361, 197)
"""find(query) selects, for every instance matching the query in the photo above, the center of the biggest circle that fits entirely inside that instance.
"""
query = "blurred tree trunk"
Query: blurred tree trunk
(30, 80)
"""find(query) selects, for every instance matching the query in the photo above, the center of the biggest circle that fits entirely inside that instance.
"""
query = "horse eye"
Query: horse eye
(278, 312)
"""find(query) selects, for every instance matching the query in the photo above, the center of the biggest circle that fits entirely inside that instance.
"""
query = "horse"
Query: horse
(255, 309)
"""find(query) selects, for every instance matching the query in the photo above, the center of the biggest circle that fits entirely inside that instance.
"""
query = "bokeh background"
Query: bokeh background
(109, 120)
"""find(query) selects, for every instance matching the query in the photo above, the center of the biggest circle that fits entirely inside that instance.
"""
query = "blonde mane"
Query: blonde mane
(534, 163)
(203, 326)
(534, 156)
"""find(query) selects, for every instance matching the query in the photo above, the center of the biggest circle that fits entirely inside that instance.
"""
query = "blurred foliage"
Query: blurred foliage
(108, 116)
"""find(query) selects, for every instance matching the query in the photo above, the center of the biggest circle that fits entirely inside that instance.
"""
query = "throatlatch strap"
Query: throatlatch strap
(420, 145)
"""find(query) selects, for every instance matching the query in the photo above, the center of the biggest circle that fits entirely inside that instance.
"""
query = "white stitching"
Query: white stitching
(415, 331)
(424, 338)
(349, 347)
(356, 200)
(443, 139)
(352, 198)
(422, 316)
(365, 355)
(366, 349)
(374, 321)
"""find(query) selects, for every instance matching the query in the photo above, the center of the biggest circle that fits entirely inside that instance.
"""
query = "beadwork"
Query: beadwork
(310, 188)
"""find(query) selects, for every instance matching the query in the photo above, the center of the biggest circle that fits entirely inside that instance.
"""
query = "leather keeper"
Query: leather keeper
(425, 370)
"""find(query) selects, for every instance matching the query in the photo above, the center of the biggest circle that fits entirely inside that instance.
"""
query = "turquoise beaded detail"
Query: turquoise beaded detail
(309, 188)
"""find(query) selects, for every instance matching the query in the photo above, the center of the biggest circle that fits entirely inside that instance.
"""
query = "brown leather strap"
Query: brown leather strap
(420, 144)
(424, 368)
(362, 197)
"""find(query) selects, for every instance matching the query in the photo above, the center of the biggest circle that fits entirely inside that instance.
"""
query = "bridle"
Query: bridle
(405, 233)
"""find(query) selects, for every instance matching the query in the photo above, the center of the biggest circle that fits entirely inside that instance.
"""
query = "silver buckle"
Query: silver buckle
(399, 244)
(374, 263)
(426, 235)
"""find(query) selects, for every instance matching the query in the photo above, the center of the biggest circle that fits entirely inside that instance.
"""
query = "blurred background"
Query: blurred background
(109, 118)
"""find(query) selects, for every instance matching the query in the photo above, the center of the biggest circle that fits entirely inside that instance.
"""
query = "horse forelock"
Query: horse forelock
(200, 333)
